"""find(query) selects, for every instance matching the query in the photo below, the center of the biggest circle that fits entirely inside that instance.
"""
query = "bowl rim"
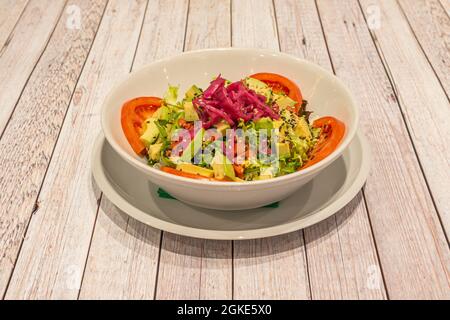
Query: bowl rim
(286, 178)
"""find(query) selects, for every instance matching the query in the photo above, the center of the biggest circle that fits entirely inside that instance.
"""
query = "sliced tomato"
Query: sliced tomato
(239, 170)
(134, 113)
(332, 132)
(280, 84)
(187, 175)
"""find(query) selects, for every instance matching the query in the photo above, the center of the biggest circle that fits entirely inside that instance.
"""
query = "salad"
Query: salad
(253, 129)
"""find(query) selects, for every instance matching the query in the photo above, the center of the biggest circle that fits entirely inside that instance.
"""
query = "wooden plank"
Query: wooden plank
(194, 268)
(411, 244)
(10, 12)
(431, 26)
(162, 32)
(209, 24)
(422, 99)
(271, 268)
(300, 32)
(26, 43)
(216, 277)
(342, 259)
(446, 5)
(38, 118)
(340, 250)
(123, 257)
(254, 28)
(362, 277)
(54, 253)
(118, 240)
(258, 263)
(181, 258)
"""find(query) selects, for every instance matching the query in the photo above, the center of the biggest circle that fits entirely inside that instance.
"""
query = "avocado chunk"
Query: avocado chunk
(171, 95)
(155, 151)
(151, 132)
(283, 150)
(163, 113)
(259, 87)
(284, 101)
(193, 147)
(302, 129)
(301, 146)
(190, 114)
(266, 173)
(264, 123)
(193, 169)
(277, 124)
(192, 93)
(222, 167)
(222, 127)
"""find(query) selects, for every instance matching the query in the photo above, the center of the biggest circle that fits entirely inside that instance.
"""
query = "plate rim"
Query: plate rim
(121, 203)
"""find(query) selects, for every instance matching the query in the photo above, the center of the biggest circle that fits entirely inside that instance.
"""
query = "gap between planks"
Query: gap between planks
(13, 10)
(52, 85)
(195, 268)
(20, 57)
(31, 257)
(136, 254)
(405, 223)
(416, 88)
(250, 279)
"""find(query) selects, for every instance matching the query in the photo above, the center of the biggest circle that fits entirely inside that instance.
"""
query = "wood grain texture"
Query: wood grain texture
(123, 257)
(163, 31)
(38, 117)
(254, 24)
(194, 268)
(446, 5)
(413, 251)
(423, 102)
(342, 259)
(273, 268)
(53, 255)
(10, 12)
(216, 277)
(120, 241)
(67, 241)
(300, 31)
(25, 45)
(209, 24)
(181, 258)
(361, 277)
(431, 26)
(340, 250)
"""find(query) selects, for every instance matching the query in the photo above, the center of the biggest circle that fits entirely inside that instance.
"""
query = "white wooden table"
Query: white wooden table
(59, 238)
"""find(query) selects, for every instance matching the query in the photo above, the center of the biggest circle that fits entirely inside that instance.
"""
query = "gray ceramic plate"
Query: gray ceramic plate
(326, 194)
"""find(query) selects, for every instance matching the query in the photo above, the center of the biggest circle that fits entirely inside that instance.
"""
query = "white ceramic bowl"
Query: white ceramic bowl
(325, 93)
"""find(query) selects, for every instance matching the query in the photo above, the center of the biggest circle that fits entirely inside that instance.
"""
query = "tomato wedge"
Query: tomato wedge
(331, 135)
(187, 175)
(278, 83)
(134, 113)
